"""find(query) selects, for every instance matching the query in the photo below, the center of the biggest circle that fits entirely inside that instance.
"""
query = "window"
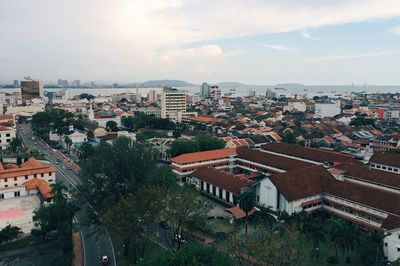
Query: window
(15, 184)
(6, 186)
(227, 196)
(398, 249)
(208, 188)
(385, 244)
(26, 177)
(15, 179)
(42, 175)
(5, 179)
(35, 175)
(8, 134)
(8, 140)
(17, 194)
(214, 191)
(50, 180)
(220, 193)
(1, 196)
(51, 174)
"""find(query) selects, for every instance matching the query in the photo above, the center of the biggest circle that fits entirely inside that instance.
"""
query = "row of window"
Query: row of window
(26, 177)
(16, 194)
(353, 212)
(385, 168)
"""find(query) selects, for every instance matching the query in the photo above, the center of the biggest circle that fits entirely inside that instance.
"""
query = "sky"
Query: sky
(250, 41)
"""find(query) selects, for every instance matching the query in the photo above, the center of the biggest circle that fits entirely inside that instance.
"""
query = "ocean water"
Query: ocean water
(242, 90)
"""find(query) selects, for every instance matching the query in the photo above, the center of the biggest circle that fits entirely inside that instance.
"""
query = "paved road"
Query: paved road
(95, 243)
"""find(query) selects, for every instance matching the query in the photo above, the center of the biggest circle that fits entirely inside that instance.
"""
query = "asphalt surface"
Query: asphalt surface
(95, 243)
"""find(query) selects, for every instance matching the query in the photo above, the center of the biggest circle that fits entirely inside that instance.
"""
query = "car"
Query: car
(164, 225)
(179, 239)
(69, 168)
(105, 260)
(58, 160)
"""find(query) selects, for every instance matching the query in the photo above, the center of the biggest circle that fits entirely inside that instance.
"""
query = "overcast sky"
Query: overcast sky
(250, 41)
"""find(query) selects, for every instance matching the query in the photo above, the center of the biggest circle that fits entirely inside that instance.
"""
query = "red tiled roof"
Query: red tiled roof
(303, 183)
(237, 212)
(391, 222)
(41, 185)
(390, 159)
(30, 167)
(310, 153)
(271, 160)
(203, 156)
(222, 179)
(371, 175)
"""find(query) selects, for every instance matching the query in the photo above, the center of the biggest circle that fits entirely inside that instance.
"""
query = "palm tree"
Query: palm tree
(247, 203)
(90, 135)
(316, 232)
(58, 191)
(264, 216)
(343, 235)
(68, 142)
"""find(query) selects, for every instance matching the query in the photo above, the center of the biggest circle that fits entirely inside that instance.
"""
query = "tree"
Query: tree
(19, 160)
(86, 96)
(15, 143)
(181, 146)
(56, 216)
(128, 122)
(184, 209)
(112, 126)
(265, 218)
(316, 233)
(68, 142)
(246, 203)
(90, 135)
(343, 235)
(86, 150)
(116, 169)
(9, 233)
(189, 255)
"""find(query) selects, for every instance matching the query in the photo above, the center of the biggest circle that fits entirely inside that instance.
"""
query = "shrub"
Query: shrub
(332, 260)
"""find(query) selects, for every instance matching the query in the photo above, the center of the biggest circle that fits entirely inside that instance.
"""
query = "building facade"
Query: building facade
(173, 102)
(31, 89)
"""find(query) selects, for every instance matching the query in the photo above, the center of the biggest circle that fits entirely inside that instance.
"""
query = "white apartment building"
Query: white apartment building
(327, 109)
(295, 106)
(7, 130)
(173, 101)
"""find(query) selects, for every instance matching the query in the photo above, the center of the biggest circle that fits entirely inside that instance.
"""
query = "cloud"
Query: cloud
(201, 52)
(395, 30)
(306, 34)
(108, 38)
(348, 56)
(279, 47)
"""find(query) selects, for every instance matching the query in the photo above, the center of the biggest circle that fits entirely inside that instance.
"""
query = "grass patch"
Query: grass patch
(220, 226)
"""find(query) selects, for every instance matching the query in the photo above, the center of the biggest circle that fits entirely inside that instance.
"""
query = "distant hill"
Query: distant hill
(165, 83)
(231, 84)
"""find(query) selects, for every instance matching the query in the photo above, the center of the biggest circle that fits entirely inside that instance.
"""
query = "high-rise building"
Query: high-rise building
(16, 83)
(31, 89)
(173, 102)
(216, 92)
(270, 94)
(76, 83)
(62, 82)
(152, 96)
(205, 90)
(252, 93)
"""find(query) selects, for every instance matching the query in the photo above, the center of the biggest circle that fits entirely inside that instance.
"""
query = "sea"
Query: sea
(307, 91)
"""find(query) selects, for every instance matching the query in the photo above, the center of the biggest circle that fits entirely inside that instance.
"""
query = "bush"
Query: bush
(332, 260)
(348, 260)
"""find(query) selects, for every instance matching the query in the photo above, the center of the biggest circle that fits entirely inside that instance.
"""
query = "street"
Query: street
(95, 243)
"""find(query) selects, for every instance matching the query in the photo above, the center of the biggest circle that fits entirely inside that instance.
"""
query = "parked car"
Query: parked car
(105, 260)
(179, 239)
